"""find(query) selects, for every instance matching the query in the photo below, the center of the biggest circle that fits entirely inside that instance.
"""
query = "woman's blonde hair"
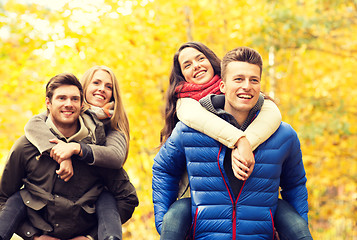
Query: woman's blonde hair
(119, 121)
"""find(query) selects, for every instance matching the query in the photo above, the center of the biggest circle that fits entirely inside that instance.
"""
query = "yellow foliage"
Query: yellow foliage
(312, 78)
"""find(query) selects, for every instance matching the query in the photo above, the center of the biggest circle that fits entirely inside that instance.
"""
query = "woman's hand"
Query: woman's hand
(243, 159)
(63, 151)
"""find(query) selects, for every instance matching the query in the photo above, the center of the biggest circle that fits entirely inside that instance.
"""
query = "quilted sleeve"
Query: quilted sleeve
(169, 165)
(293, 179)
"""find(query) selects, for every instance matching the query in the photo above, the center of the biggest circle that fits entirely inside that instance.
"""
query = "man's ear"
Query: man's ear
(222, 86)
(47, 101)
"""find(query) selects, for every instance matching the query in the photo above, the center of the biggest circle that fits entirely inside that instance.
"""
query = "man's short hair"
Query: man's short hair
(60, 80)
(241, 54)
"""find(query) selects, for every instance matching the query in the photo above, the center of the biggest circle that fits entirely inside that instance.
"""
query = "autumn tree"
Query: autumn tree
(309, 51)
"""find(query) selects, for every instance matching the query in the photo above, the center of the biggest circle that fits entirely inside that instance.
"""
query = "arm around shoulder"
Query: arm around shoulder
(38, 133)
(191, 112)
(265, 124)
(113, 154)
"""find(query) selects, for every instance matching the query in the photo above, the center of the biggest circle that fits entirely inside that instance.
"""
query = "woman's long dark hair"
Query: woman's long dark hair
(176, 79)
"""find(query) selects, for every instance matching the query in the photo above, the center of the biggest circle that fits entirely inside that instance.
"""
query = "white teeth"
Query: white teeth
(99, 97)
(199, 74)
(245, 96)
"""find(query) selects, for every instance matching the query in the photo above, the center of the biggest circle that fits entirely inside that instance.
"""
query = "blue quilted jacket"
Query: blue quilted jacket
(216, 213)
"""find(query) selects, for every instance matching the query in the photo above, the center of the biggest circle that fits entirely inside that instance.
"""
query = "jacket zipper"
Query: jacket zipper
(194, 224)
(234, 222)
(234, 203)
(272, 220)
(235, 213)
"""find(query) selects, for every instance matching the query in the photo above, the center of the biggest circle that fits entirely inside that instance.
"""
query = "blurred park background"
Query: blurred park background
(309, 49)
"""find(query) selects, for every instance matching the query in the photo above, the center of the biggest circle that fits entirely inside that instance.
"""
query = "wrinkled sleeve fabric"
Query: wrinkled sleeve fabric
(293, 177)
(38, 133)
(169, 165)
(87, 154)
(113, 153)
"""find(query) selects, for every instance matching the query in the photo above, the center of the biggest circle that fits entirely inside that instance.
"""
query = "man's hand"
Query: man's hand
(63, 151)
(45, 237)
(65, 172)
(243, 159)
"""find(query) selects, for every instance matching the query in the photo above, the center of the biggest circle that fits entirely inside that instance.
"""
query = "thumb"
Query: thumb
(53, 140)
(59, 171)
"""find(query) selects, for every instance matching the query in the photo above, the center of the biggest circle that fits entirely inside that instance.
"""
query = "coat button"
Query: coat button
(28, 233)
(27, 202)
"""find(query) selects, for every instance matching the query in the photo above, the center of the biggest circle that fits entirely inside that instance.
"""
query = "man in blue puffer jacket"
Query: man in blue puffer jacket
(224, 207)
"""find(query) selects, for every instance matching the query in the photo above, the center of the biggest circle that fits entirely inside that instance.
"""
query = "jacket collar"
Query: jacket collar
(91, 129)
(78, 136)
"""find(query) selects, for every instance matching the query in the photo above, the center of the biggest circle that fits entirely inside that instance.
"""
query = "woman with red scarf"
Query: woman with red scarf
(196, 73)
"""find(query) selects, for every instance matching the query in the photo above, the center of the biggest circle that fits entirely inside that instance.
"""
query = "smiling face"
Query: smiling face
(65, 106)
(195, 66)
(241, 87)
(100, 89)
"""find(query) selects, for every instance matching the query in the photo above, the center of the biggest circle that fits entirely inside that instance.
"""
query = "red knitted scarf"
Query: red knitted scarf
(198, 91)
